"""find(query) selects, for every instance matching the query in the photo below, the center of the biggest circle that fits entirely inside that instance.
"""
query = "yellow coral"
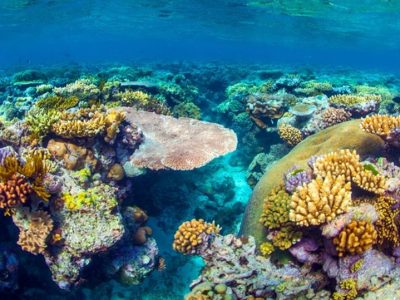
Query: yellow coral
(133, 98)
(380, 125)
(191, 235)
(355, 238)
(350, 285)
(320, 201)
(343, 162)
(370, 182)
(112, 121)
(351, 100)
(276, 209)
(386, 225)
(57, 102)
(266, 249)
(291, 135)
(286, 237)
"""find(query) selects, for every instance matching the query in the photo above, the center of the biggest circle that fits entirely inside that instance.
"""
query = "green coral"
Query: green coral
(57, 102)
(372, 168)
(40, 121)
(357, 265)
(266, 249)
(188, 110)
(350, 285)
(286, 237)
(83, 176)
(90, 198)
(276, 209)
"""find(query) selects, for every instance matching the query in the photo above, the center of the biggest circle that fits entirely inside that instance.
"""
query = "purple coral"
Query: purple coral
(296, 177)
(303, 251)
(6, 152)
(132, 136)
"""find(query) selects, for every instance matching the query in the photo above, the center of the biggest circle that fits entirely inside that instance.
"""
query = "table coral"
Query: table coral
(355, 238)
(34, 229)
(320, 201)
(178, 144)
(291, 135)
(276, 209)
(192, 236)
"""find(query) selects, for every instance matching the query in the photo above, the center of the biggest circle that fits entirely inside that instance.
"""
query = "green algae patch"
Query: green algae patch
(347, 135)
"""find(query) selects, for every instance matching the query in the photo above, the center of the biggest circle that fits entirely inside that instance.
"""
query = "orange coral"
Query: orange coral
(370, 182)
(33, 239)
(380, 125)
(355, 238)
(291, 135)
(14, 191)
(192, 235)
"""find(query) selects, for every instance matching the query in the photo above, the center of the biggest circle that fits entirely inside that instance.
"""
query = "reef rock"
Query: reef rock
(347, 135)
(178, 144)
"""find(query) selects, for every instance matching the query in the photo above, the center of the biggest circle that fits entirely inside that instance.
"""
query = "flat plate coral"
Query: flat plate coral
(178, 144)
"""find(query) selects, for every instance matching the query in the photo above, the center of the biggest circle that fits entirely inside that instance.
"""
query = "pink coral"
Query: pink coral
(178, 144)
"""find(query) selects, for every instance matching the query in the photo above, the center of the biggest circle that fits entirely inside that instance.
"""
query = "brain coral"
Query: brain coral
(320, 201)
(193, 235)
(355, 238)
(178, 144)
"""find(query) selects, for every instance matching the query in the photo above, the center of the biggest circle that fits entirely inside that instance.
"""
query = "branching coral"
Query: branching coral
(286, 237)
(40, 121)
(349, 100)
(84, 89)
(381, 125)
(386, 225)
(88, 123)
(32, 171)
(355, 238)
(332, 116)
(33, 238)
(276, 209)
(57, 103)
(370, 182)
(192, 236)
(320, 201)
(342, 162)
(14, 191)
(133, 98)
(291, 135)
(350, 286)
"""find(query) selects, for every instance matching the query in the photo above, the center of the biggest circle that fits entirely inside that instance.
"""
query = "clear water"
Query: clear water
(325, 32)
(298, 35)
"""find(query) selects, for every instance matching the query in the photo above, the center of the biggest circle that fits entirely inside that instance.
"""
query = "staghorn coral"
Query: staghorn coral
(14, 191)
(320, 201)
(192, 236)
(370, 182)
(276, 209)
(178, 144)
(84, 89)
(40, 121)
(33, 235)
(355, 238)
(291, 135)
(380, 125)
(386, 225)
(133, 98)
(343, 162)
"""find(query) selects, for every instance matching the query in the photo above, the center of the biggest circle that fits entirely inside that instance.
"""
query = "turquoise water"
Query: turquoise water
(245, 65)
(324, 32)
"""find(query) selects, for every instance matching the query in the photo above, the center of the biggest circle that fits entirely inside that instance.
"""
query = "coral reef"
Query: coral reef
(291, 135)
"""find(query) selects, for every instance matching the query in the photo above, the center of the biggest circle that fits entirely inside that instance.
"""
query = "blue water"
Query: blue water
(296, 34)
(365, 34)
